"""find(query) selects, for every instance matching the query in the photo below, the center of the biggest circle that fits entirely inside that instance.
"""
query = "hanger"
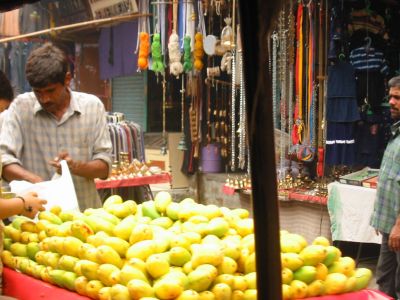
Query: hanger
(369, 41)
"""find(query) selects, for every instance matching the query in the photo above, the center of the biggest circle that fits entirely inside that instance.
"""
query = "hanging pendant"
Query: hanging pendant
(182, 143)
(163, 149)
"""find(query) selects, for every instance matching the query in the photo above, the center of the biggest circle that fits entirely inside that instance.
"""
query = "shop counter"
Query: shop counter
(136, 181)
(361, 295)
(350, 208)
(24, 287)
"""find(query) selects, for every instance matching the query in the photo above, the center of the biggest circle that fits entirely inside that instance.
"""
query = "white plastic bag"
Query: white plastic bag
(59, 191)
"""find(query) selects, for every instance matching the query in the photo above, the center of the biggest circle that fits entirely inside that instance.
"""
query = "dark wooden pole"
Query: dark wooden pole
(256, 19)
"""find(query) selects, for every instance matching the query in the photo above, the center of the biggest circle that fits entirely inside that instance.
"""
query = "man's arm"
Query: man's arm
(96, 168)
(394, 237)
(16, 172)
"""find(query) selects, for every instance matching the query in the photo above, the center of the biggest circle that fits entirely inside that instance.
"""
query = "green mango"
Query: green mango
(57, 277)
(149, 210)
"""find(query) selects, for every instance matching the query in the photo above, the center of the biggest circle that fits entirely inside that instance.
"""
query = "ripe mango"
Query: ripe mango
(99, 224)
(138, 289)
(88, 269)
(71, 245)
(299, 289)
(93, 288)
(119, 245)
(207, 254)
(12, 233)
(335, 283)
(167, 288)
(29, 226)
(49, 216)
(122, 210)
(157, 265)
(291, 260)
(80, 285)
(161, 201)
(81, 230)
(18, 249)
(189, 295)
(51, 259)
(104, 214)
(119, 292)
(108, 274)
(313, 254)
(107, 255)
(105, 293)
(316, 288)
(200, 279)
(222, 291)
(172, 211)
(306, 274)
(18, 220)
(67, 263)
(142, 250)
(113, 199)
(124, 228)
(363, 277)
(129, 273)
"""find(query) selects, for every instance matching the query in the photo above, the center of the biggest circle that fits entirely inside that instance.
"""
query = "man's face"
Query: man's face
(53, 97)
(394, 101)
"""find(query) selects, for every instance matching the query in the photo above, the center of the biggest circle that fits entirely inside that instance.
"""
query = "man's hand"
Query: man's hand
(72, 165)
(394, 238)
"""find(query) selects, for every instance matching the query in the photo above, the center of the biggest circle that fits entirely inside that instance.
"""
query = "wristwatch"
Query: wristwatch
(29, 208)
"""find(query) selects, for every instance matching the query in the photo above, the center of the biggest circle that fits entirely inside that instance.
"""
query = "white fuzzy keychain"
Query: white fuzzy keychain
(175, 65)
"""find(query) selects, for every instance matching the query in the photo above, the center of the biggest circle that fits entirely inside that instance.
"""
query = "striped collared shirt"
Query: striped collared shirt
(387, 203)
(32, 137)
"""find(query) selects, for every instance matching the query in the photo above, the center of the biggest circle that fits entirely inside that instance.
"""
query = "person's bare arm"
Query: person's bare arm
(28, 205)
(17, 172)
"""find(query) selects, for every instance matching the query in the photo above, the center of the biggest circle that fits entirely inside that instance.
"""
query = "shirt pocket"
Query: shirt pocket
(80, 149)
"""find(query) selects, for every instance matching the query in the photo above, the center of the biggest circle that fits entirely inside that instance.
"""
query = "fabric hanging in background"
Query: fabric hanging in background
(342, 113)
(33, 17)
(124, 45)
(10, 23)
(126, 136)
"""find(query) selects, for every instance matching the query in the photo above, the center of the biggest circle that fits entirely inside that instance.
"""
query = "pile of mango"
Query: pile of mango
(317, 269)
(167, 250)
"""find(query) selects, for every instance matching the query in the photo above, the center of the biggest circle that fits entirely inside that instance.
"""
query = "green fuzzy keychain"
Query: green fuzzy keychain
(187, 57)
(157, 65)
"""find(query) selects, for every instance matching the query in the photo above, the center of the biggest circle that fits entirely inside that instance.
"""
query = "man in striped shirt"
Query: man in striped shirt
(386, 215)
(54, 123)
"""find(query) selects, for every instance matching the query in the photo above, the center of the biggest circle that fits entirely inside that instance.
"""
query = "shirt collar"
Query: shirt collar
(73, 105)
(395, 129)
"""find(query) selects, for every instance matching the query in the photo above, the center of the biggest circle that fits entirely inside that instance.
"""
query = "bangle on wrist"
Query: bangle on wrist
(29, 208)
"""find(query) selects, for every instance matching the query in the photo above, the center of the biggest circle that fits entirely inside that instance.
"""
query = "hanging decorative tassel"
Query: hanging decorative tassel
(144, 51)
(157, 64)
(187, 57)
(198, 52)
(175, 65)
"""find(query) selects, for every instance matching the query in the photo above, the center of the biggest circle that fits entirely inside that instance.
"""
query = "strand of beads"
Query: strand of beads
(233, 114)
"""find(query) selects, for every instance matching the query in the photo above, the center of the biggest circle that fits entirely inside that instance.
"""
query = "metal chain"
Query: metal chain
(274, 81)
(233, 113)
(242, 116)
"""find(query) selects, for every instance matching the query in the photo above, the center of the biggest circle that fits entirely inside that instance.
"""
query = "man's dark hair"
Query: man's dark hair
(394, 82)
(46, 65)
(6, 91)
